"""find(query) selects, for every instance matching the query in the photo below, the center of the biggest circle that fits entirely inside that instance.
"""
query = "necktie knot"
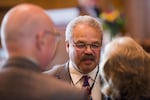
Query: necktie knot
(85, 81)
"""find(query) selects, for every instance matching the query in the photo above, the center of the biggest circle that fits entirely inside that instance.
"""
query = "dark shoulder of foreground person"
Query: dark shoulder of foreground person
(64, 91)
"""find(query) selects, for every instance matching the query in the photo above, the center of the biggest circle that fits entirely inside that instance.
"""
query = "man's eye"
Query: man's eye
(95, 45)
(80, 45)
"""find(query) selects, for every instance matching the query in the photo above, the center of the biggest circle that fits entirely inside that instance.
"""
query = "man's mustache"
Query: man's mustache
(88, 57)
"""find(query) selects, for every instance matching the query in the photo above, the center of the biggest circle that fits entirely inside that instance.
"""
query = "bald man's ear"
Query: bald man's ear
(41, 40)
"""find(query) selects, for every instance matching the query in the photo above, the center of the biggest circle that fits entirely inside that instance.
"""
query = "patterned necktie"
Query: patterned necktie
(86, 86)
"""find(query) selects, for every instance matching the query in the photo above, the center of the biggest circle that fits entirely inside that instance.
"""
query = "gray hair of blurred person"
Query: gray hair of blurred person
(124, 69)
(90, 21)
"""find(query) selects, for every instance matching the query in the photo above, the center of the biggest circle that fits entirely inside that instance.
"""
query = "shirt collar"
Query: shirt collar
(76, 75)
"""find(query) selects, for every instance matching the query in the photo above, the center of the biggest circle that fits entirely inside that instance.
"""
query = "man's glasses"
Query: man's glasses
(82, 45)
(56, 35)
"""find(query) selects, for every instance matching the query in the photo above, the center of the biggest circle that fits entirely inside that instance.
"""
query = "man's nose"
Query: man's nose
(88, 49)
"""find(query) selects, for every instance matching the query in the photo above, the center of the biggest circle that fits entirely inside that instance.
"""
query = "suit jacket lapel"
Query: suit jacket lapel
(64, 74)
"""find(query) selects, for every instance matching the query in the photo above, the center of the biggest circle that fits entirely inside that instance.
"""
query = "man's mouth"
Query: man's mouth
(88, 61)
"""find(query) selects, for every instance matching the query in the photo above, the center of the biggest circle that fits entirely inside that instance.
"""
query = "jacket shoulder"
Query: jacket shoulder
(57, 70)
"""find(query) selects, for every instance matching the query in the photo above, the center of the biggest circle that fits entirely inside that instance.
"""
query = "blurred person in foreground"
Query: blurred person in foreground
(83, 44)
(30, 40)
(125, 71)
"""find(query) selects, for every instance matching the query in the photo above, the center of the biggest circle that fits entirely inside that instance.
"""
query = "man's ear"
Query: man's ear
(67, 46)
(40, 40)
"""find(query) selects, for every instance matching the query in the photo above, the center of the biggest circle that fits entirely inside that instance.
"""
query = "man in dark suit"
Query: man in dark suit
(30, 40)
(83, 45)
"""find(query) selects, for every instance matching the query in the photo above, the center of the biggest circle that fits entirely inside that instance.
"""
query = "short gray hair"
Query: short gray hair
(91, 21)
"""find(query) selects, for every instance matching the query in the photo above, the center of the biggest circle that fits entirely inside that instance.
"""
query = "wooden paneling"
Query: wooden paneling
(43, 3)
(5, 5)
(137, 14)
(138, 21)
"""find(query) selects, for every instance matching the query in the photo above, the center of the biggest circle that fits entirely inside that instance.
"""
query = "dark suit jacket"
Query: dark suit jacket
(21, 79)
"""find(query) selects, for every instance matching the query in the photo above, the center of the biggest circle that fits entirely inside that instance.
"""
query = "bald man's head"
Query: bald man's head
(23, 21)
(25, 31)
